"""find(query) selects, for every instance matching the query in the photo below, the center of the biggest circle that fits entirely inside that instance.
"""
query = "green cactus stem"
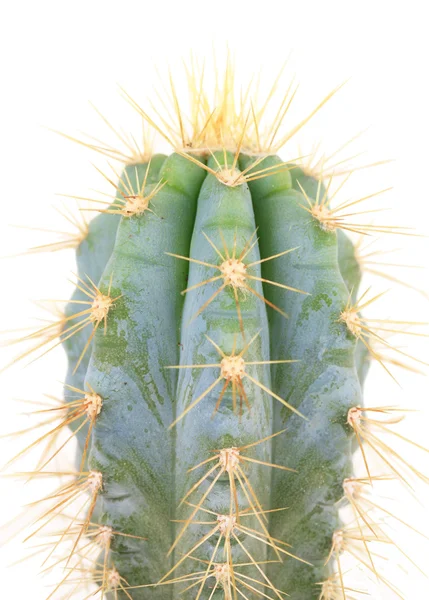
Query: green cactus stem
(217, 355)
(161, 363)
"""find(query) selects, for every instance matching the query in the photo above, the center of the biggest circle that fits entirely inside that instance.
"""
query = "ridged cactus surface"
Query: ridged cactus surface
(163, 360)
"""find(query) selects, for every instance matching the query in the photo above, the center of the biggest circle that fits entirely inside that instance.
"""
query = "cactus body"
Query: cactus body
(217, 356)
(144, 463)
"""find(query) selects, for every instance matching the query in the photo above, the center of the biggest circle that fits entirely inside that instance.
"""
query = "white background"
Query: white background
(55, 56)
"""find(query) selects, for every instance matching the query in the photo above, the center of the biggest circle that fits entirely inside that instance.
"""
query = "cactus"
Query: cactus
(217, 356)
